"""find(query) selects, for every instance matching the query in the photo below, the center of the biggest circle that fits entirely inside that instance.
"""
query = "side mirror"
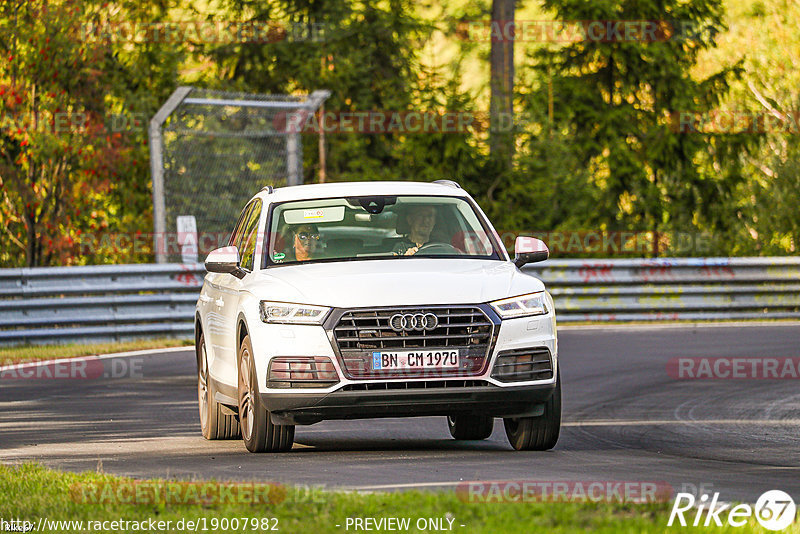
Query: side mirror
(224, 260)
(529, 250)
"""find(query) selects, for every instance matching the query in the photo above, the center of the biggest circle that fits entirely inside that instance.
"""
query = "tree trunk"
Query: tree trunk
(501, 107)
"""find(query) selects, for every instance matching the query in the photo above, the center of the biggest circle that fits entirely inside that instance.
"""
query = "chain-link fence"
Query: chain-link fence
(210, 152)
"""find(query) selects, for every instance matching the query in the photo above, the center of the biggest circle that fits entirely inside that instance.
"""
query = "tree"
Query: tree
(616, 97)
(454, 155)
(365, 53)
(54, 150)
(501, 106)
(74, 180)
(766, 211)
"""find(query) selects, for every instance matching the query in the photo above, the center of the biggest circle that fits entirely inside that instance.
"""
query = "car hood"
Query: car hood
(396, 282)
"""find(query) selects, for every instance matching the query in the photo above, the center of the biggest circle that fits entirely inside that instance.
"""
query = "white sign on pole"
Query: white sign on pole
(187, 238)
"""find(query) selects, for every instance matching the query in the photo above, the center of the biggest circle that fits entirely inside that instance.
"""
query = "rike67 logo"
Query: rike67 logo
(774, 510)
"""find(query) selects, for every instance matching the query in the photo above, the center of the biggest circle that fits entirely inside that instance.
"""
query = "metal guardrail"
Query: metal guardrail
(100, 303)
(103, 303)
(673, 289)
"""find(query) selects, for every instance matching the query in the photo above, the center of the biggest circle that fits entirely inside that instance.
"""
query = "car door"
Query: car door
(230, 286)
(214, 296)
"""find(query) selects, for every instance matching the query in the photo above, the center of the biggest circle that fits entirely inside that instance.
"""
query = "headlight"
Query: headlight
(522, 306)
(286, 313)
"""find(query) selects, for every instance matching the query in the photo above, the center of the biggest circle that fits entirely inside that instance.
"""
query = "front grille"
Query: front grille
(430, 384)
(358, 333)
(370, 330)
(520, 365)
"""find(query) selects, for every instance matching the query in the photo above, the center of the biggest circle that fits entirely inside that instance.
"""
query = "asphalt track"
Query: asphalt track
(625, 419)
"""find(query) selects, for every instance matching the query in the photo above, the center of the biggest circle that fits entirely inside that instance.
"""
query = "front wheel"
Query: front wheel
(537, 433)
(258, 432)
(470, 426)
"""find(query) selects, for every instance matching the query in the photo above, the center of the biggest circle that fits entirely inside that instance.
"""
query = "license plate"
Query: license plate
(424, 359)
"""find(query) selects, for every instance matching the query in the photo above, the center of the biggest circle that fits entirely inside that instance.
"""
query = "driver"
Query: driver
(421, 220)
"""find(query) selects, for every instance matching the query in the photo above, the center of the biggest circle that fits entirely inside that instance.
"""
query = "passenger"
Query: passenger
(305, 243)
(421, 221)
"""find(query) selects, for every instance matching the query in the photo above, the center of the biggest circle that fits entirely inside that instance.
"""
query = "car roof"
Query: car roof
(349, 189)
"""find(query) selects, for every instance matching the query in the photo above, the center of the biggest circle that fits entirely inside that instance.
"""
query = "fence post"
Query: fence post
(157, 170)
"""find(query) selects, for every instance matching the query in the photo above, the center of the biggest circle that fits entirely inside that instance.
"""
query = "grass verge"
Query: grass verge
(32, 493)
(27, 353)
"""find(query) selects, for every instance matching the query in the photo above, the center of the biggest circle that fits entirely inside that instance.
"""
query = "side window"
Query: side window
(237, 230)
(249, 237)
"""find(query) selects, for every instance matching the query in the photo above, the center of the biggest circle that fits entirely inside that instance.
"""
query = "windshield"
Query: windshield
(376, 227)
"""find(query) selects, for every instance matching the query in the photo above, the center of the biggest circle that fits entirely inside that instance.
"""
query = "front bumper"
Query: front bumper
(308, 408)
(406, 396)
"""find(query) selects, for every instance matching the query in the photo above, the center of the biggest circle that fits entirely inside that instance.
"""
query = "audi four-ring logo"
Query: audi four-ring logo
(409, 322)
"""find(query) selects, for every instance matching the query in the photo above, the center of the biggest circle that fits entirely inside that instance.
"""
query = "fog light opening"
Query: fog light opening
(301, 372)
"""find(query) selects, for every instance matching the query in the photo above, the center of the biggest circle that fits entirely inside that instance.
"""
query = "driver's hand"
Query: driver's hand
(411, 251)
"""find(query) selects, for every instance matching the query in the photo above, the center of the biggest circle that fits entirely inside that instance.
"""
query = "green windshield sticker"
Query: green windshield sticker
(278, 256)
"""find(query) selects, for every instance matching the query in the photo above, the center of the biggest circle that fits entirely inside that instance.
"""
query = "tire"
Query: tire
(470, 426)
(537, 433)
(258, 432)
(214, 423)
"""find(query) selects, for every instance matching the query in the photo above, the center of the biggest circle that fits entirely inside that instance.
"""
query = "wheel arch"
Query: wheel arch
(242, 330)
(198, 331)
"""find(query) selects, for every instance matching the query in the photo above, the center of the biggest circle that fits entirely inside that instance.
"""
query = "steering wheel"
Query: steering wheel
(440, 248)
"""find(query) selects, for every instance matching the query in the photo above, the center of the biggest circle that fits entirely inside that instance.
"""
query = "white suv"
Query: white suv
(374, 299)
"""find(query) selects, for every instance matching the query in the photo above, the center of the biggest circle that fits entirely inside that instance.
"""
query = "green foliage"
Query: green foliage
(766, 218)
(608, 158)
(75, 190)
(363, 52)
(449, 155)
(775, 226)
(100, 497)
(54, 152)
(613, 105)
